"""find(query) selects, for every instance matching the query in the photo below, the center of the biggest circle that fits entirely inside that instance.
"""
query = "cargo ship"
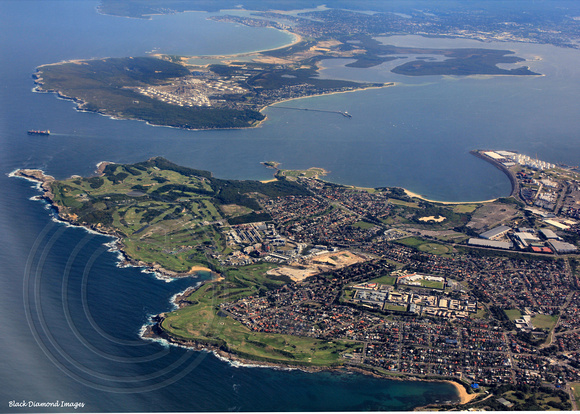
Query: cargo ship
(36, 132)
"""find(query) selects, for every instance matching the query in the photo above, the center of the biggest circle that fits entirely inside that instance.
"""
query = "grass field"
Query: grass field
(432, 284)
(164, 214)
(576, 390)
(544, 321)
(309, 173)
(481, 313)
(434, 248)
(403, 203)
(365, 225)
(428, 284)
(541, 400)
(347, 295)
(454, 237)
(424, 246)
(411, 241)
(200, 322)
(465, 208)
(513, 314)
(513, 397)
(384, 280)
(398, 308)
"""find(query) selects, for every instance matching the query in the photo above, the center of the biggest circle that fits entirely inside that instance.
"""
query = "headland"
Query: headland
(312, 275)
(233, 90)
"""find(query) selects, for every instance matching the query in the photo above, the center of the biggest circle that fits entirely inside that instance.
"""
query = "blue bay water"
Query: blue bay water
(71, 317)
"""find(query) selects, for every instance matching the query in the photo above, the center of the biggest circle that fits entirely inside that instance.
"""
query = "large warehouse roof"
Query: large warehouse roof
(490, 243)
(498, 231)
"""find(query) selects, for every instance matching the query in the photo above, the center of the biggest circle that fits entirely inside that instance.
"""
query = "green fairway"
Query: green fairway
(403, 203)
(163, 213)
(309, 173)
(200, 322)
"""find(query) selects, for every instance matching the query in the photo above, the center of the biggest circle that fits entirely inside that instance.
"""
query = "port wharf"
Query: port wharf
(511, 176)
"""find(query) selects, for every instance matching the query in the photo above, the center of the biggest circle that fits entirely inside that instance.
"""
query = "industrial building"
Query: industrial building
(524, 239)
(549, 234)
(562, 247)
(495, 233)
(490, 243)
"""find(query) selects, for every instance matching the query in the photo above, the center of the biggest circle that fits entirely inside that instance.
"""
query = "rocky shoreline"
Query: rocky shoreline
(82, 106)
(44, 180)
(154, 331)
(39, 87)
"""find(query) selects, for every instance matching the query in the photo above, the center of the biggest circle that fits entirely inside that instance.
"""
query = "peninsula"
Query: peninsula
(317, 275)
(193, 92)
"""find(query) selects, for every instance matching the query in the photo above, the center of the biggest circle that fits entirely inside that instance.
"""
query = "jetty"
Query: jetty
(345, 114)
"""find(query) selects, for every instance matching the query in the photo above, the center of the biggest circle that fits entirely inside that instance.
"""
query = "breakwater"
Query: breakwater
(511, 176)
(345, 114)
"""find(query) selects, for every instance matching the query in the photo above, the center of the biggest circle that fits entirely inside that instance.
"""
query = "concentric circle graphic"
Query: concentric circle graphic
(79, 345)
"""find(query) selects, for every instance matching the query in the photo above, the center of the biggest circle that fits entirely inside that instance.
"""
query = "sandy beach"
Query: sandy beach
(196, 269)
(236, 56)
(415, 195)
(464, 396)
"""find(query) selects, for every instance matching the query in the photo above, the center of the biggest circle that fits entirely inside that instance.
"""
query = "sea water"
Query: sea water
(71, 318)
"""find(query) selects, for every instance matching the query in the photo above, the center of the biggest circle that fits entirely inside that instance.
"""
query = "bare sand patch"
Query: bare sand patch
(311, 266)
(437, 219)
(272, 60)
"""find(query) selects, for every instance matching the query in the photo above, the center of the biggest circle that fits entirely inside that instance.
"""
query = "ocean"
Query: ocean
(71, 318)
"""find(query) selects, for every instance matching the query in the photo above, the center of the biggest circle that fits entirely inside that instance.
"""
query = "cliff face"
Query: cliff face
(64, 214)
(45, 182)
(35, 175)
(40, 177)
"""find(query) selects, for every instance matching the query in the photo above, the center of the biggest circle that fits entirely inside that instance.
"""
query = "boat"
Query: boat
(37, 132)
